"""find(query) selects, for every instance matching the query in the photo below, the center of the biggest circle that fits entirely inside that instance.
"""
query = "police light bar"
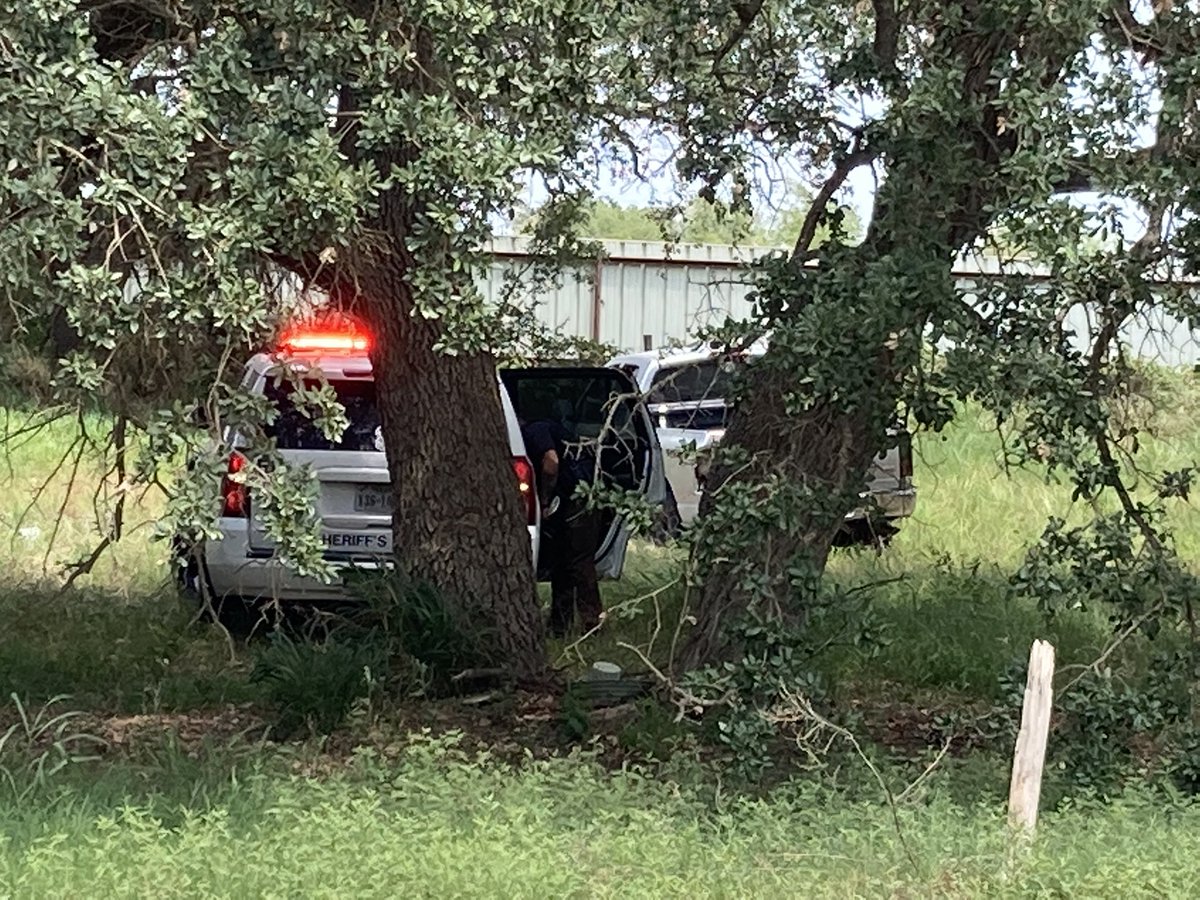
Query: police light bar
(326, 340)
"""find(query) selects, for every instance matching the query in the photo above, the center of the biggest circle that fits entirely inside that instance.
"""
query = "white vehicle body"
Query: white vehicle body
(354, 498)
(684, 390)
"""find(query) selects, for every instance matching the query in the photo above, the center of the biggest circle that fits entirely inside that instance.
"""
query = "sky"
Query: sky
(660, 188)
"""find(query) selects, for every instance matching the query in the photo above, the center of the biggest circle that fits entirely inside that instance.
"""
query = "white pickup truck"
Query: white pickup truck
(686, 392)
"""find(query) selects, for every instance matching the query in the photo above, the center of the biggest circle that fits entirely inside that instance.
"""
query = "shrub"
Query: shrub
(414, 621)
(315, 684)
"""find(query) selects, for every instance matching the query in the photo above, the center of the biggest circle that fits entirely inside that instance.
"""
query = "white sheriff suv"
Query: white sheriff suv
(600, 407)
(686, 391)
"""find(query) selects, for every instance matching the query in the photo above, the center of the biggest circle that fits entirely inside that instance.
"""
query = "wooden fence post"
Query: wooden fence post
(1030, 755)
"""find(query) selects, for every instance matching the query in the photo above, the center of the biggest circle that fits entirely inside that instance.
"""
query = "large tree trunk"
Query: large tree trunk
(763, 558)
(458, 522)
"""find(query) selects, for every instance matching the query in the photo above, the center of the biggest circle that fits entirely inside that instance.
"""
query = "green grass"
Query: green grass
(432, 821)
(55, 505)
(954, 628)
(226, 816)
(141, 653)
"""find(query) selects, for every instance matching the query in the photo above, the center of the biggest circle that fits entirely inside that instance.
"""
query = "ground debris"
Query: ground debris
(192, 731)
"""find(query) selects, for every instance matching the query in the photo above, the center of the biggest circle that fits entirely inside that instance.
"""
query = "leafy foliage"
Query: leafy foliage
(701, 221)
(39, 746)
(1114, 728)
(774, 665)
(315, 685)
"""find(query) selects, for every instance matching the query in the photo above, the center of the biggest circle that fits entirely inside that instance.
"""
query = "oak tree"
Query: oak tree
(1052, 139)
(169, 165)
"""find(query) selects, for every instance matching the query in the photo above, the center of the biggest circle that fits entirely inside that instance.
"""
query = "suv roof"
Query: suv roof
(680, 356)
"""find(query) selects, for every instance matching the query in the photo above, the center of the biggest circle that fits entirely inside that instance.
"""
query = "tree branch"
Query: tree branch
(1139, 255)
(1122, 25)
(812, 218)
(887, 34)
(747, 11)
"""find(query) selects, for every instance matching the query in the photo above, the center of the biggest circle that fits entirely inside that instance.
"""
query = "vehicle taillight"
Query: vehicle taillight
(235, 499)
(906, 456)
(525, 484)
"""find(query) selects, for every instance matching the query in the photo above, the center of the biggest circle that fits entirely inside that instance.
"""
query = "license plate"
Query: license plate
(365, 542)
(373, 500)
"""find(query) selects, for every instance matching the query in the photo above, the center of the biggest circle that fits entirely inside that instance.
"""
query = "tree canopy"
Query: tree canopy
(1069, 130)
(169, 168)
(703, 222)
(175, 173)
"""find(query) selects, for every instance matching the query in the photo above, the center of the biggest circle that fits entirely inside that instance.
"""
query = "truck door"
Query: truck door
(603, 410)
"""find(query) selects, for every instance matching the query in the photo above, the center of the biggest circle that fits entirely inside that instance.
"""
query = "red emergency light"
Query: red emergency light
(338, 339)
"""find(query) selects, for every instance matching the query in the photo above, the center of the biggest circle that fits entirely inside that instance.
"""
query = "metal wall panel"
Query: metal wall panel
(670, 293)
(1150, 335)
(566, 309)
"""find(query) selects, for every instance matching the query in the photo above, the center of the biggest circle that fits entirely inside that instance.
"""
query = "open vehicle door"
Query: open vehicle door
(603, 410)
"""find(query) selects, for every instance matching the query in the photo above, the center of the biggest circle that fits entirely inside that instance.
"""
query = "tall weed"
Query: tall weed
(315, 684)
(40, 745)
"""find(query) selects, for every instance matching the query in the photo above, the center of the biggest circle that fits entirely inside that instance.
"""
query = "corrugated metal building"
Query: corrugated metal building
(638, 290)
(646, 292)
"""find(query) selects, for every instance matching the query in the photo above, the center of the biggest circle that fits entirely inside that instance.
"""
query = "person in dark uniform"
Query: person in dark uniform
(570, 531)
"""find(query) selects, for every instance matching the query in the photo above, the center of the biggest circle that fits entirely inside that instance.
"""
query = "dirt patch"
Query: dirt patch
(191, 731)
(911, 728)
(512, 728)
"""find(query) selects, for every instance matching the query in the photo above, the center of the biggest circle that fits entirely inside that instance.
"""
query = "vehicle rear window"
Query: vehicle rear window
(600, 410)
(586, 404)
(294, 430)
(702, 417)
(709, 380)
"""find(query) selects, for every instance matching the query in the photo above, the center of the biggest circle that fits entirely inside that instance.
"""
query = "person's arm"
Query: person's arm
(548, 479)
(540, 445)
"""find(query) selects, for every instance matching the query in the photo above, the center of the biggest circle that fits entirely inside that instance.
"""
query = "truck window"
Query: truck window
(702, 417)
(597, 407)
(294, 430)
(693, 383)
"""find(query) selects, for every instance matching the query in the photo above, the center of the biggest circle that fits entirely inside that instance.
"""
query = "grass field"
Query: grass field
(187, 798)
(436, 823)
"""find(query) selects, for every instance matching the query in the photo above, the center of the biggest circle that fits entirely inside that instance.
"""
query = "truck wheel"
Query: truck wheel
(188, 570)
(865, 533)
(242, 618)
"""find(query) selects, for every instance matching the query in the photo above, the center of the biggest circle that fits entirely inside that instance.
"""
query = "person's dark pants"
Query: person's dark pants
(570, 540)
